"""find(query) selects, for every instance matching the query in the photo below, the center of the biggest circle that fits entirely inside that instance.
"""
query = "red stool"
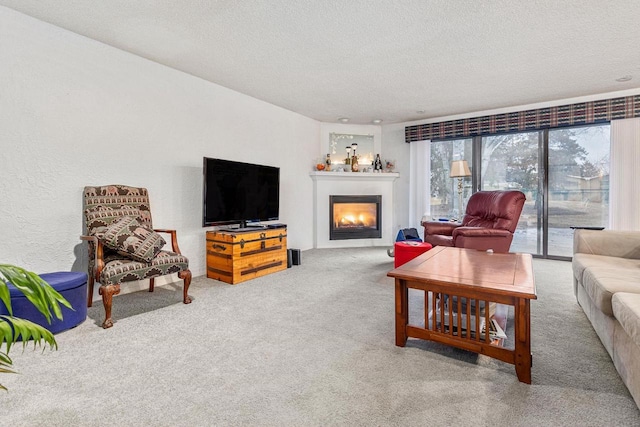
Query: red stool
(408, 250)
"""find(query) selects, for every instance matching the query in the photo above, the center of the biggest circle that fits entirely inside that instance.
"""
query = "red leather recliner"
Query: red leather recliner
(489, 222)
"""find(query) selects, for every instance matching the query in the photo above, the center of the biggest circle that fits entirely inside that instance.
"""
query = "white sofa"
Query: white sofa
(606, 282)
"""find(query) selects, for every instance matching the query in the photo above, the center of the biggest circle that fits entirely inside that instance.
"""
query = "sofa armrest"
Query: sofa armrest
(621, 244)
(439, 227)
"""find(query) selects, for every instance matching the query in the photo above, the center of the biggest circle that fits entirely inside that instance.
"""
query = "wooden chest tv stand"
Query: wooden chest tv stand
(238, 256)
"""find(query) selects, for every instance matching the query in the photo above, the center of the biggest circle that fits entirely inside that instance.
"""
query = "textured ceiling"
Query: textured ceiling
(374, 59)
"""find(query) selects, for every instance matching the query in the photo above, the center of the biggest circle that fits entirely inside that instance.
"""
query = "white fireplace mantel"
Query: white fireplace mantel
(327, 184)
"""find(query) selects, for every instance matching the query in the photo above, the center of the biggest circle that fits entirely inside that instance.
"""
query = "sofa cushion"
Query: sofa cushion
(601, 283)
(626, 309)
(127, 236)
(581, 261)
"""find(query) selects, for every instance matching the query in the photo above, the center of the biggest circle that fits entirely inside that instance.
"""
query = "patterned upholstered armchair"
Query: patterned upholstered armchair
(123, 246)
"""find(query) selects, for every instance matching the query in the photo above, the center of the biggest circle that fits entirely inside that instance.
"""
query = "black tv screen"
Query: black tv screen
(236, 193)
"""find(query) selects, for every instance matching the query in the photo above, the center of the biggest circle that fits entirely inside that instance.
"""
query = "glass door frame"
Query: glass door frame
(542, 209)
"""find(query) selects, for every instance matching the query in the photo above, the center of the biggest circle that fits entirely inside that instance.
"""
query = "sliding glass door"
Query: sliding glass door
(512, 162)
(564, 174)
(578, 187)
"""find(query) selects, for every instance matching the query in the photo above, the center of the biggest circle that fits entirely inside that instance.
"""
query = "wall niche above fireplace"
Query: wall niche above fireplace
(339, 142)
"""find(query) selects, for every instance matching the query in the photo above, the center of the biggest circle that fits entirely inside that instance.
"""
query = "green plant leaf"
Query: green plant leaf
(26, 330)
(5, 370)
(42, 296)
(5, 363)
(6, 333)
(5, 296)
(5, 359)
(37, 291)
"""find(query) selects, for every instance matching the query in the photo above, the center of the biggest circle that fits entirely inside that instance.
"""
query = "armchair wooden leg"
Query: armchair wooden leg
(186, 277)
(151, 285)
(90, 283)
(107, 293)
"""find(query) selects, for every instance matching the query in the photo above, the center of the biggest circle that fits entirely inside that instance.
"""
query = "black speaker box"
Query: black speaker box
(289, 261)
(295, 257)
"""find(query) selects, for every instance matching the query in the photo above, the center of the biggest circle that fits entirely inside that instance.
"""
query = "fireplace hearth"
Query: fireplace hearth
(355, 217)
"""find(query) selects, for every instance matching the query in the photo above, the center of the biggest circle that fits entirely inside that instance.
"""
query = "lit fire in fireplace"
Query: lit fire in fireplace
(354, 215)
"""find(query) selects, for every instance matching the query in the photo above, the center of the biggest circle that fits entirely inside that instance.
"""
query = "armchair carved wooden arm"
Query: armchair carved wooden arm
(123, 246)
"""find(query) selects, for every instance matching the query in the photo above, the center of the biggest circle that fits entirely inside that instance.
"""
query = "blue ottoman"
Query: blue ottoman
(71, 285)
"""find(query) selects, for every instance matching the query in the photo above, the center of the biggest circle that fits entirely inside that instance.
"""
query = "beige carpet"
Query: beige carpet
(310, 346)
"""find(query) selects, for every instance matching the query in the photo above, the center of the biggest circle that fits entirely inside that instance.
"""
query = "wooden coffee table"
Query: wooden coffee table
(474, 276)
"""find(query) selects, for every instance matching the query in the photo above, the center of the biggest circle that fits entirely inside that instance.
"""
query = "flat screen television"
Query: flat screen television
(239, 193)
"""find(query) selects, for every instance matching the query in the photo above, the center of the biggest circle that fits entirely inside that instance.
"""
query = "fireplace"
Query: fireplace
(327, 184)
(355, 217)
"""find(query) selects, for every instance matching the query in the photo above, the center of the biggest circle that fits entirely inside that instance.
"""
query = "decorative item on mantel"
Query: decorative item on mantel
(354, 158)
(347, 161)
(377, 164)
(390, 165)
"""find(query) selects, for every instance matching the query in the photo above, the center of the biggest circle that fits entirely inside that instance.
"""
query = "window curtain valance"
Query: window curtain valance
(551, 117)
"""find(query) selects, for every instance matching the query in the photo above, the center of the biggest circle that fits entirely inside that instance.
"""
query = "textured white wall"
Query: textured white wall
(74, 112)
(395, 148)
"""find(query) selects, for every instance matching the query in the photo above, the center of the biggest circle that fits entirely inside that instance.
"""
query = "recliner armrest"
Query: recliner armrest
(483, 238)
(439, 227)
(480, 232)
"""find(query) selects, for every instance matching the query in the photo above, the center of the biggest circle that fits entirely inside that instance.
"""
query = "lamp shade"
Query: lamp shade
(459, 168)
